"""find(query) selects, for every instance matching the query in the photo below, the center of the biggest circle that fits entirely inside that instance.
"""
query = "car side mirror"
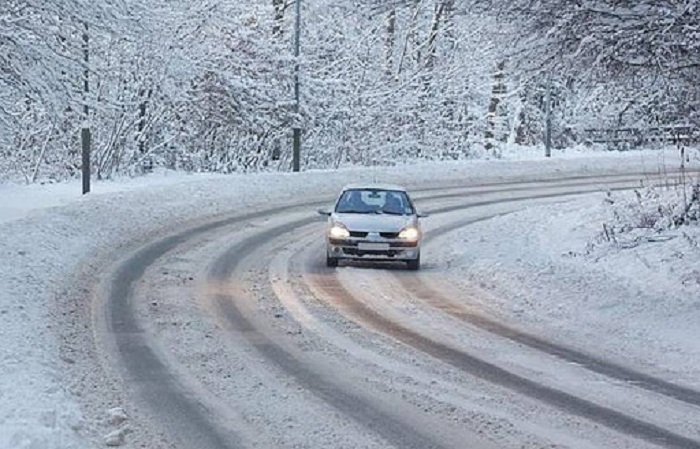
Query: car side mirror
(422, 215)
(324, 212)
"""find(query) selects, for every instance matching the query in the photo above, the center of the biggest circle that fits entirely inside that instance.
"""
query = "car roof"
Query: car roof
(374, 186)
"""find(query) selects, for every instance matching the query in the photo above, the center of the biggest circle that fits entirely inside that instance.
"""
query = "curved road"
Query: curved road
(269, 348)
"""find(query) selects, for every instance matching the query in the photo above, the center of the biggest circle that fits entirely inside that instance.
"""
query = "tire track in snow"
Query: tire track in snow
(354, 405)
(344, 300)
(183, 415)
(482, 369)
(432, 297)
(168, 397)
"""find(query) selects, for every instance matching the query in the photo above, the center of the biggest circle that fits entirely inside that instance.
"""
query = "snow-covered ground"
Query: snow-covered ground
(551, 269)
(20, 200)
(50, 233)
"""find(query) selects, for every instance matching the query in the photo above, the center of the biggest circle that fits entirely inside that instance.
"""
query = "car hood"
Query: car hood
(374, 222)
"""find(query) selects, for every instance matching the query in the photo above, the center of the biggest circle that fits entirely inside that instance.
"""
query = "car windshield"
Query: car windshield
(374, 201)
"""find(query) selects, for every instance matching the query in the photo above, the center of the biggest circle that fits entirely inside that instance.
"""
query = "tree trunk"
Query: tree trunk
(434, 30)
(143, 104)
(449, 27)
(279, 7)
(411, 39)
(389, 42)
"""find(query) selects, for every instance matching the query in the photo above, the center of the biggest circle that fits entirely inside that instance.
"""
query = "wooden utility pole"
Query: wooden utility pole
(548, 120)
(296, 144)
(498, 91)
(85, 136)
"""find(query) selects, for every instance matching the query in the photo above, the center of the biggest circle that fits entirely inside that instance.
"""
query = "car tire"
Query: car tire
(331, 262)
(414, 265)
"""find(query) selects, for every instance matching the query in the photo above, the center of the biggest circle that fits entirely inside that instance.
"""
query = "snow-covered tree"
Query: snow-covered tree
(208, 85)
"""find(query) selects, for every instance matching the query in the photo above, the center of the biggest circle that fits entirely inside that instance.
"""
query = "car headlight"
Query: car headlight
(338, 231)
(410, 234)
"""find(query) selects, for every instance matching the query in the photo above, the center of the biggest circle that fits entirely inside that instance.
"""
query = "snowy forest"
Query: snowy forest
(208, 85)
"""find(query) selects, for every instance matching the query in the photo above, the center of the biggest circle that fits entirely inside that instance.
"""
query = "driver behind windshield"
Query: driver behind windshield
(351, 202)
(393, 204)
(373, 201)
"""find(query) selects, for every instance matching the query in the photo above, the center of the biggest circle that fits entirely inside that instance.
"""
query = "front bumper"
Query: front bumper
(360, 249)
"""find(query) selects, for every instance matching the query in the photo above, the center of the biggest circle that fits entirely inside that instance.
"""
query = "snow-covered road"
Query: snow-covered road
(204, 310)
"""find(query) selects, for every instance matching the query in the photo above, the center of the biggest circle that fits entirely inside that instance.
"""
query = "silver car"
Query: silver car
(373, 222)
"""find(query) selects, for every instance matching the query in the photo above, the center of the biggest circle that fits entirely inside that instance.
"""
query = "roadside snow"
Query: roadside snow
(19, 201)
(50, 233)
(548, 268)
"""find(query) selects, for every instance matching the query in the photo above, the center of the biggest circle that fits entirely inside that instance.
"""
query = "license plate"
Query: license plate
(373, 246)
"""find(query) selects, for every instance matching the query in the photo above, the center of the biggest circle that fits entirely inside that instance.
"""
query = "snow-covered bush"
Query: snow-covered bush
(653, 209)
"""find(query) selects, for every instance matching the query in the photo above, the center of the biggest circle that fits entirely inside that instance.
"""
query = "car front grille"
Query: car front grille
(386, 235)
(357, 252)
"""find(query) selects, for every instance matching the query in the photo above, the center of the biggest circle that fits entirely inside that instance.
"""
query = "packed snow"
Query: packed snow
(50, 233)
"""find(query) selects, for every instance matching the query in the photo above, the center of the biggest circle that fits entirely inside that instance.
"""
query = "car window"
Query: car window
(374, 201)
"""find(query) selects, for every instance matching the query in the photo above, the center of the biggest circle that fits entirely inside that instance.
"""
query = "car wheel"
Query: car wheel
(414, 264)
(331, 262)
